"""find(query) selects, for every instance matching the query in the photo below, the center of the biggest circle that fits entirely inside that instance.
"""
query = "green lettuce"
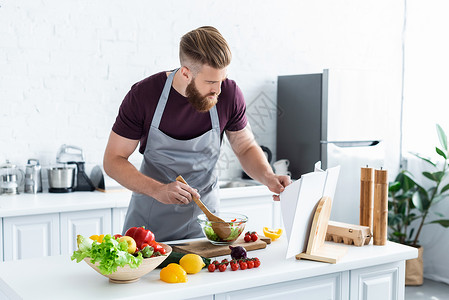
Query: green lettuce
(109, 254)
(211, 235)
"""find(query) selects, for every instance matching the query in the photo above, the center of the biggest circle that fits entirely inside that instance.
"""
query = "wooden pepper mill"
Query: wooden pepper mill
(366, 197)
(380, 221)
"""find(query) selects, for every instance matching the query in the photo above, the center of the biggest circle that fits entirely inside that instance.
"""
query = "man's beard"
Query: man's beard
(199, 102)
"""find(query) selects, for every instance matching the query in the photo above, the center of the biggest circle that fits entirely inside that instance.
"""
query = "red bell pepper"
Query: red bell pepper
(140, 235)
(157, 247)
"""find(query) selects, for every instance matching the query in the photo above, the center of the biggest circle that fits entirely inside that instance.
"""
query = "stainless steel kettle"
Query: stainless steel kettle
(11, 178)
(33, 177)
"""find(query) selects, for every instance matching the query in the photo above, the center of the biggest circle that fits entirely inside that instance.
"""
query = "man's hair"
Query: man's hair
(204, 45)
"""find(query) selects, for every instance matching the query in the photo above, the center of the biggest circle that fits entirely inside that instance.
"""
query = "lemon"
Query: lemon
(192, 263)
(173, 273)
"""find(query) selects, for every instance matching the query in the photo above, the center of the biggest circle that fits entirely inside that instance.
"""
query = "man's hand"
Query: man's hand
(277, 184)
(175, 193)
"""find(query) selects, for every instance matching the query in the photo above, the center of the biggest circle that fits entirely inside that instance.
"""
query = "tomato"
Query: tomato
(216, 262)
(225, 261)
(222, 267)
(256, 263)
(250, 264)
(247, 238)
(211, 267)
(234, 266)
(254, 236)
(243, 265)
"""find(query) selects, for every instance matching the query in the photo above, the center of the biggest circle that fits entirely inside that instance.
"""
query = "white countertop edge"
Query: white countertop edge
(274, 269)
(238, 192)
(47, 203)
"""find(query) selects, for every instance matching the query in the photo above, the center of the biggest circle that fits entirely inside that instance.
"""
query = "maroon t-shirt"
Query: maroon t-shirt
(179, 120)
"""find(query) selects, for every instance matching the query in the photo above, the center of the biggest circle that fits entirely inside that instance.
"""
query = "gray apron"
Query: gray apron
(164, 159)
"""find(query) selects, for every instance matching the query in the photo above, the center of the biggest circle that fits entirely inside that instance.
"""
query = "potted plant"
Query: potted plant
(410, 205)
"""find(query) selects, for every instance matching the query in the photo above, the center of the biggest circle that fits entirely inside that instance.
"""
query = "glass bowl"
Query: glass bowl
(236, 222)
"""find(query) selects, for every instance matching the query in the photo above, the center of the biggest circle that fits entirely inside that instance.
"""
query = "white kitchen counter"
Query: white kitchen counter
(42, 203)
(58, 277)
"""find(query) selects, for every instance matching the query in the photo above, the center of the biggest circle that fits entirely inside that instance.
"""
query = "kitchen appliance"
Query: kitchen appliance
(61, 179)
(33, 177)
(281, 167)
(11, 177)
(337, 117)
(103, 182)
(66, 178)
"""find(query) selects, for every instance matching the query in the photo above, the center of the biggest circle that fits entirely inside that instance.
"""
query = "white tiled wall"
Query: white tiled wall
(65, 66)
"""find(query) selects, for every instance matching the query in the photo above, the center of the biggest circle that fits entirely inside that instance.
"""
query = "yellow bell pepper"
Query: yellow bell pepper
(273, 234)
(97, 238)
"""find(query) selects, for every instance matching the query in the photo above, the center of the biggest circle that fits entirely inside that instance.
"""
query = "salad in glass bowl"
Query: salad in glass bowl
(236, 223)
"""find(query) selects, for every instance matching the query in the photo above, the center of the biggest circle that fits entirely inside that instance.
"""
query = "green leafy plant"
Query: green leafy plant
(410, 202)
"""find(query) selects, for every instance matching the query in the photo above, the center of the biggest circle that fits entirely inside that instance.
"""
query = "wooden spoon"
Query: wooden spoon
(220, 227)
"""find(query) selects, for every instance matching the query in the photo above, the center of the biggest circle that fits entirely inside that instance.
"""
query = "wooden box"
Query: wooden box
(348, 234)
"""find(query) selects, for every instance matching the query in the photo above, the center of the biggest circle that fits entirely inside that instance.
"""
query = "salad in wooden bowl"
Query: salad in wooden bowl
(122, 259)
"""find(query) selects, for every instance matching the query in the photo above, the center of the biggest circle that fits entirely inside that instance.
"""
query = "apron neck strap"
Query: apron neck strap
(163, 100)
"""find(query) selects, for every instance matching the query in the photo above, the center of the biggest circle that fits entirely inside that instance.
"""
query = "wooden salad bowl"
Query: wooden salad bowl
(127, 275)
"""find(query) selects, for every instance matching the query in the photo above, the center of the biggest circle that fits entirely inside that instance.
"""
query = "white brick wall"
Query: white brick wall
(65, 66)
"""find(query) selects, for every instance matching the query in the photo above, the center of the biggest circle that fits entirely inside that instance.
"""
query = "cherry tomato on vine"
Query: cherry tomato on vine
(250, 264)
(234, 266)
(222, 267)
(254, 236)
(211, 267)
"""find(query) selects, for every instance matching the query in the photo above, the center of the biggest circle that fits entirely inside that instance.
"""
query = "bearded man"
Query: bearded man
(179, 117)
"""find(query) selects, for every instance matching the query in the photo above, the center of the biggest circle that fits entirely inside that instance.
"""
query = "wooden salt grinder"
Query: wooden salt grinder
(366, 197)
(380, 221)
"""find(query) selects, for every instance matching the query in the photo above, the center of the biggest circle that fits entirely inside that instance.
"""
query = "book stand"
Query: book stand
(316, 248)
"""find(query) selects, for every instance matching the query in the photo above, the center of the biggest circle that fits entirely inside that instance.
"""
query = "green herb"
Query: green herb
(109, 254)
(148, 251)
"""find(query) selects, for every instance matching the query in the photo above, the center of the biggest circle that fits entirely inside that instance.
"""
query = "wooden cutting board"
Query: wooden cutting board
(207, 249)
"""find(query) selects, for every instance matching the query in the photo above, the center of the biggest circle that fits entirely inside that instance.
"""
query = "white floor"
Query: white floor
(430, 290)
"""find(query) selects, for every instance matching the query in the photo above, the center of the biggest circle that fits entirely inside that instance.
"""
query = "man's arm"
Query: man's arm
(253, 160)
(117, 166)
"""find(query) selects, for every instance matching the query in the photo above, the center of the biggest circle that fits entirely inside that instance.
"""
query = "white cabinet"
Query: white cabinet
(31, 236)
(380, 282)
(330, 287)
(1, 239)
(384, 282)
(258, 209)
(118, 219)
(85, 223)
